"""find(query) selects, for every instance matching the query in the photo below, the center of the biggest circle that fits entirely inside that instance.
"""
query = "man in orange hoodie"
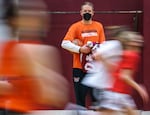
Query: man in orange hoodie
(82, 31)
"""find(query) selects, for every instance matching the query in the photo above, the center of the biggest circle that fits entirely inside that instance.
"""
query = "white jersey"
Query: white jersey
(98, 75)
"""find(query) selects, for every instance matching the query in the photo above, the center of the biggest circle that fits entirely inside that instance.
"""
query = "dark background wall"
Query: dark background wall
(65, 12)
(146, 53)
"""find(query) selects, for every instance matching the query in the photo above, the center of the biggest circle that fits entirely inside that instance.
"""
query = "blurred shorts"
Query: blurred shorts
(115, 101)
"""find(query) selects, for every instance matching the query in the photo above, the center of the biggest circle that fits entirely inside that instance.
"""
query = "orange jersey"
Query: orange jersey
(21, 97)
(84, 32)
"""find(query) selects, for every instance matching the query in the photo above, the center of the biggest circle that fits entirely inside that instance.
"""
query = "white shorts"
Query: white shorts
(116, 101)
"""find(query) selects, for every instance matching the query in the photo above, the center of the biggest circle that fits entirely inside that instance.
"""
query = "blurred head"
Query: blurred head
(32, 20)
(131, 38)
(87, 11)
(112, 32)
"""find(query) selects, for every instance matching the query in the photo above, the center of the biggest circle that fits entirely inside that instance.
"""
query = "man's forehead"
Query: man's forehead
(84, 7)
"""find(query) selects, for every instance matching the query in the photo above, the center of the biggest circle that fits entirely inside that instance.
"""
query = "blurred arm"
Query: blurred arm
(126, 76)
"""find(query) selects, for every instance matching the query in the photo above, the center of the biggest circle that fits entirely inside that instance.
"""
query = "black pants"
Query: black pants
(9, 112)
(80, 89)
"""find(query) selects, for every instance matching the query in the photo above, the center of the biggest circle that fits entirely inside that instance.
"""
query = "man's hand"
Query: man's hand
(85, 49)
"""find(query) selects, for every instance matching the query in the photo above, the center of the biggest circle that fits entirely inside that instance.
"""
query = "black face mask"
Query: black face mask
(87, 16)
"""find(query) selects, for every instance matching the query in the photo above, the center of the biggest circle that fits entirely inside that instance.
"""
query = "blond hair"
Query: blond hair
(87, 3)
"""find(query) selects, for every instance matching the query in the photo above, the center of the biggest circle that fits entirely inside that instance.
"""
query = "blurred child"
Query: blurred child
(30, 74)
(98, 73)
(118, 98)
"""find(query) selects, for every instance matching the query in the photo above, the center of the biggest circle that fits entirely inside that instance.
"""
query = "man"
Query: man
(75, 41)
